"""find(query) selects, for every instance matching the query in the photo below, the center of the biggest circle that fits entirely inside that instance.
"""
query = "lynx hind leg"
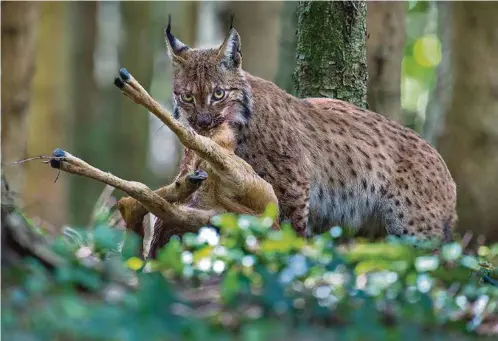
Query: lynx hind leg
(295, 207)
(415, 220)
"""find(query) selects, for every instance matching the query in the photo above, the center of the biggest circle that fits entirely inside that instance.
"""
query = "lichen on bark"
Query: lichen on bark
(331, 50)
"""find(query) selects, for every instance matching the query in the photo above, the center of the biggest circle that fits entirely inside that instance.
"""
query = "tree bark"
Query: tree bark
(470, 141)
(385, 44)
(48, 116)
(19, 23)
(331, 50)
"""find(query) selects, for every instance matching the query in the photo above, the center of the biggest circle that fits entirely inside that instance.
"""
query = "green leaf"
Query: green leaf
(230, 286)
(170, 256)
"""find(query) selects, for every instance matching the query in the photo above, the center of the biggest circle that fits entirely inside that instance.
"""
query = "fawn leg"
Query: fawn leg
(203, 146)
(190, 218)
(133, 212)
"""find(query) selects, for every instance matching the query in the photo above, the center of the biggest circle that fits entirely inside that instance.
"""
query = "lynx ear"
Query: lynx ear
(174, 45)
(229, 52)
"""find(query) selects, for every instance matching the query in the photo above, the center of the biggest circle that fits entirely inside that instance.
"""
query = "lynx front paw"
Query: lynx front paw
(197, 177)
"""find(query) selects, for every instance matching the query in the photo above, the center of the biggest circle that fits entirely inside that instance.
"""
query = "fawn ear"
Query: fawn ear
(229, 53)
(174, 45)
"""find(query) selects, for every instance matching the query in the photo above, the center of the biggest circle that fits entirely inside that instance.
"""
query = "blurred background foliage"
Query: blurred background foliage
(72, 51)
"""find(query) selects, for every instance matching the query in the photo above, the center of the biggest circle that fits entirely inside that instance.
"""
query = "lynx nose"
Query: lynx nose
(204, 120)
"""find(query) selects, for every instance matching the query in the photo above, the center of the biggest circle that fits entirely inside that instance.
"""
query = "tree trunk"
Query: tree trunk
(439, 97)
(287, 51)
(385, 44)
(130, 133)
(258, 23)
(19, 23)
(470, 141)
(331, 50)
(48, 116)
(86, 123)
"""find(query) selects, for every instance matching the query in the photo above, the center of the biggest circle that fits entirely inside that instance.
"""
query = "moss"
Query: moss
(331, 51)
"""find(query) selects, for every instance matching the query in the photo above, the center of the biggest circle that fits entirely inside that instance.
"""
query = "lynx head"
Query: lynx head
(209, 86)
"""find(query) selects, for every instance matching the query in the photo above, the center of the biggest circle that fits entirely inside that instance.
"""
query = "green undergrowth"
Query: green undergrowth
(251, 283)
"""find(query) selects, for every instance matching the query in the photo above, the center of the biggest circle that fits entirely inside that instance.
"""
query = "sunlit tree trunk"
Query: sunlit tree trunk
(331, 51)
(440, 95)
(47, 119)
(469, 143)
(19, 27)
(385, 44)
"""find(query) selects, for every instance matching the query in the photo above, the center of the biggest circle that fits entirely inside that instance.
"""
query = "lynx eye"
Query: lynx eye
(218, 94)
(187, 98)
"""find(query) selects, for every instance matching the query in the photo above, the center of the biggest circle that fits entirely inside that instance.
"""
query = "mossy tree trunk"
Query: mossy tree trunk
(385, 44)
(469, 143)
(331, 50)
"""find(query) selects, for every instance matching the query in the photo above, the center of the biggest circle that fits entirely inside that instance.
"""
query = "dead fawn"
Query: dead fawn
(218, 182)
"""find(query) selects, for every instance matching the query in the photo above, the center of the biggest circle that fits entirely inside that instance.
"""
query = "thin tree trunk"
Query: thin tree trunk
(48, 116)
(129, 133)
(86, 123)
(331, 50)
(385, 44)
(19, 27)
(439, 97)
(287, 51)
(470, 141)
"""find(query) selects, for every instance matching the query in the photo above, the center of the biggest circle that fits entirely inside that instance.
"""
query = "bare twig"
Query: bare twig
(39, 157)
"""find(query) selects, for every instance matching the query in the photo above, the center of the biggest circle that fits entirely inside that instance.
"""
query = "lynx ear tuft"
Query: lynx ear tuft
(229, 52)
(174, 45)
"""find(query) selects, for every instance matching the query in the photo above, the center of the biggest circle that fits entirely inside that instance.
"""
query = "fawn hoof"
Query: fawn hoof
(118, 82)
(125, 75)
(55, 164)
(59, 153)
(198, 176)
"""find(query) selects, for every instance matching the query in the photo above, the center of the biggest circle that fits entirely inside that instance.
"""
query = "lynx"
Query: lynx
(328, 161)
